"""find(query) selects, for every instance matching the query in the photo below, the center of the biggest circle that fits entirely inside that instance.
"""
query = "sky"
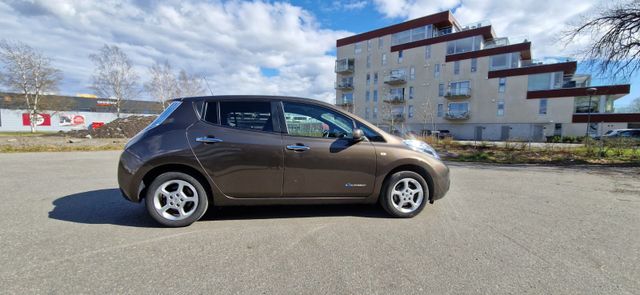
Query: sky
(258, 47)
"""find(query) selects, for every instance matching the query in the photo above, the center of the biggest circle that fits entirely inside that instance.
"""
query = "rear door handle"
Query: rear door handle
(207, 139)
(298, 148)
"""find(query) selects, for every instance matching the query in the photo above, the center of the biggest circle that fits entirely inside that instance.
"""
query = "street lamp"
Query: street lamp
(591, 91)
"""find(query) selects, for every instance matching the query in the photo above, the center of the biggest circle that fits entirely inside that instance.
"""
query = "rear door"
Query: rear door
(321, 159)
(239, 144)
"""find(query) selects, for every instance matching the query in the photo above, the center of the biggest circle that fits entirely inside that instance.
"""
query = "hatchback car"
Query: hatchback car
(257, 150)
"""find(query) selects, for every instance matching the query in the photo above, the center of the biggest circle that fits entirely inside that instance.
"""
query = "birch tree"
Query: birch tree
(163, 85)
(114, 76)
(189, 85)
(427, 115)
(30, 73)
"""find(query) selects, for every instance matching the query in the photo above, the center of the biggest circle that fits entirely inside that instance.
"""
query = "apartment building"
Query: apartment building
(431, 73)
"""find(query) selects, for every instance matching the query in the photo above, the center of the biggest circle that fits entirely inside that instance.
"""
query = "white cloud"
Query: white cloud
(229, 42)
(541, 21)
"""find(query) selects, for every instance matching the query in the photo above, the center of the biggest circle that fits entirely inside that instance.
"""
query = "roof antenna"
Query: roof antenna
(207, 82)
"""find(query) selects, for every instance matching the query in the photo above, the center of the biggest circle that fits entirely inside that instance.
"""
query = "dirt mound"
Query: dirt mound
(118, 128)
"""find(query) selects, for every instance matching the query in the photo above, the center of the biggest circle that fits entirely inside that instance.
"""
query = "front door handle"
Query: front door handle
(298, 148)
(207, 139)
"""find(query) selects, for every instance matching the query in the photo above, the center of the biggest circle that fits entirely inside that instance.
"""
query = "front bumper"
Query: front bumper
(441, 182)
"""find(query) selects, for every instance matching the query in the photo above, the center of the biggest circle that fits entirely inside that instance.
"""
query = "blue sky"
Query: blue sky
(267, 47)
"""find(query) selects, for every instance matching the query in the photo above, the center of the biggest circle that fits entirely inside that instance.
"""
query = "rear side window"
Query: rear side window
(211, 113)
(370, 134)
(250, 115)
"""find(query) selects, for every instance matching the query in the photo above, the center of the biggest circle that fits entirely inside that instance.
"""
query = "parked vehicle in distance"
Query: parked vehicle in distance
(621, 133)
(441, 134)
(261, 150)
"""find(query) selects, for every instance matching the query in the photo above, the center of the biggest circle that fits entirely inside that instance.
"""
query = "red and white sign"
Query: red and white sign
(71, 120)
(41, 119)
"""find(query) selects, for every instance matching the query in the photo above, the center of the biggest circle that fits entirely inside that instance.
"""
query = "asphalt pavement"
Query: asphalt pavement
(64, 228)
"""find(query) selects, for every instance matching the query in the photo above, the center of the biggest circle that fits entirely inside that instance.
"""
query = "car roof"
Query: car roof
(254, 97)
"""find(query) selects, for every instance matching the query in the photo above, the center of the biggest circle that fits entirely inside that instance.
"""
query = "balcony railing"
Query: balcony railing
(394, 98)
(345, 65)
(344, 85)
(395, 78)
(344, 102)
(395, 118)
(464, 92)
(456, 115)
(504, 41)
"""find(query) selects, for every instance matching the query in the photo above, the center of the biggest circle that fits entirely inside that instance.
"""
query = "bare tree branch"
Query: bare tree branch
(189, 85)
(163, 85)
(114, 76)
(30, 73)
(615, 36)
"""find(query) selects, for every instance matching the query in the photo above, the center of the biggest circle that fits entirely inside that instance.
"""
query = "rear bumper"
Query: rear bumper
(128, 180)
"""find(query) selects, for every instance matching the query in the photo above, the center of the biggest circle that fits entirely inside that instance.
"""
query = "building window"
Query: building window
(461, 88)
(441, 89)
(368, 61)
(504, 61)
(410, 111)
(366, 95)
(410, 92)
(380, 43)
(464, 45)
(582, 105)
(458, 109)
(347, 98)
(357, 48)
(400, 54)
(440, 110)
(375, 78)
(557, 130)
(542, 108)
(436, 70)
(427, 52)
(456, 67)
(375, 95)
(502, 84)
(368, 45)
(545, 81)
(384, 59)
(412, 73)
(368, 79)
(375, 112)
(500, 111)
(366, 113)
(474, 65)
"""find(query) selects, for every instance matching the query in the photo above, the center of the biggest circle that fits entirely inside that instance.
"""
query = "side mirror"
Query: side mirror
(358, 134)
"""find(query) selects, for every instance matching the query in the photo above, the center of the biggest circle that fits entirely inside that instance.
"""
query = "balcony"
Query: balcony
(344, 85)
(345, 66)
(394, 99)
(505, 41)
(344, 103)
(395, 79)
(395, 118)
(457, 115)
(454, 93)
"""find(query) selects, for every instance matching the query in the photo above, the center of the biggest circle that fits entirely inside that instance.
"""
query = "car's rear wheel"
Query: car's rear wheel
(404, 194)
(176, 199)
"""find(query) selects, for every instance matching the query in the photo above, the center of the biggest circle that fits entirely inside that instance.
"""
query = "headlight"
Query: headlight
(421, 146)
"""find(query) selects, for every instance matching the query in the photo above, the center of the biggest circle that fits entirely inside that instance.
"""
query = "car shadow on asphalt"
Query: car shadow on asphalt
(104, 206)
(107, 206)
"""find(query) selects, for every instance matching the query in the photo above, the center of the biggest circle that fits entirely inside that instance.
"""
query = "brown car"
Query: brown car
(260, 150)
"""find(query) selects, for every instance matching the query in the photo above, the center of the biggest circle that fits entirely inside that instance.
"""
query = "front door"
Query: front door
(321, 159)
(240, 149)
(478, 133)
(504, 134)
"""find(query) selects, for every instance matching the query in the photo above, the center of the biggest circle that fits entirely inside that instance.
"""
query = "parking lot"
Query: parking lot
(501, 229)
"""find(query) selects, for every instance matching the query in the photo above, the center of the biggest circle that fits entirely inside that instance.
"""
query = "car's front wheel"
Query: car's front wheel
(176, 199)
(405, 194)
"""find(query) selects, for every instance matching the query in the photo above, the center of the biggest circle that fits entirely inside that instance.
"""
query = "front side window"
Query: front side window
(252, 115)
(315, 121)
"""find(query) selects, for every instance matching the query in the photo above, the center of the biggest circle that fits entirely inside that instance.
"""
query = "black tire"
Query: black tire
(197, 212)
(387, 199)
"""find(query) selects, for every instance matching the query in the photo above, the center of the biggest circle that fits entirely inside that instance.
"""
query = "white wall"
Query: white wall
(11, 120)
